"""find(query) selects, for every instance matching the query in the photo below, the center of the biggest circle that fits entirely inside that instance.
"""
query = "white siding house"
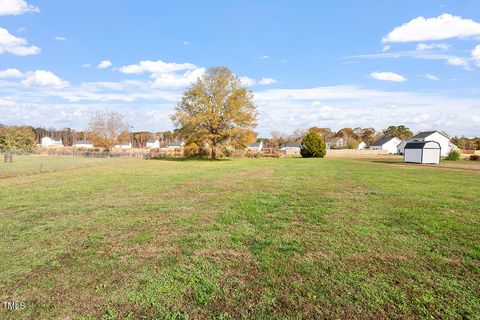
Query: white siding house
(87, 144)
(401, 147)
(362, 146)
(442, 139)
(175, 145)
(51, 142)
(123, 146)
(422, 152)
(153, 143)
(257, 146)
(335, 143)
(292, 148)
(387, 143)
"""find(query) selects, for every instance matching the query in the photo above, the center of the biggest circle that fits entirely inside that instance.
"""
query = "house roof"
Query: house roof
(382, 141)
(83, 142)
(421, 145)
(255, 145)
(151, 140)
(425, 134)
(334, 139)
(293, 145)
(175, 144)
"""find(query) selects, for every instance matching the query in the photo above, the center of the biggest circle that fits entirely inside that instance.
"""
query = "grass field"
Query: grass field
(248, 238)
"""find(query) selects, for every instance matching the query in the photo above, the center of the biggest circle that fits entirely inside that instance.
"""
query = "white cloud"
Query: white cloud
(43, 78)
(247, 81)
(104, 64)
(87, 65)
(186, 43)
(476, 55)
(459, 62)
(21, 29)
(445, 26)
(267, 81)
(432, 77)
(387, 76)
(60, 38)
(385, 48)
(15, 7)
(430, 46)
(264, 57)
(14, 45)
(156, 67)
(10, 73)
(174, 80)
(166, 74)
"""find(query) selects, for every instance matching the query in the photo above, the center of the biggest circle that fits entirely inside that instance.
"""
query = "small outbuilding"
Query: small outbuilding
(422, 152)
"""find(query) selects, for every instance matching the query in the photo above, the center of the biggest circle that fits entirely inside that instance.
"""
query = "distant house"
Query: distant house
(123, 146)
(153, 143)
(175, 145)
(257, 146)
(292, 148)
(437, 136)
(335, 143)
(362, 146)
(386, 143)
(418, 151)
(83, 144)
(51, 142)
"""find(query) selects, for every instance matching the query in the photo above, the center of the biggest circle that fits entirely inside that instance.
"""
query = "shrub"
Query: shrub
(228, 152)
(191, 150)
(453, 155)
(475, 157)
(313, 146)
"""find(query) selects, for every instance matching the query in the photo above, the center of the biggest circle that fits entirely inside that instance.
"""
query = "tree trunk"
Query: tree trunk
(214, 153)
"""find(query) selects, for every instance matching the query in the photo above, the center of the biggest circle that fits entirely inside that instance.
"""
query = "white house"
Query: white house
(335, 143)
(436, 136)
(153, 143)
(51, 142)
(257, 146)
(175, 145)
(362, 146)
(123, 146)
(87, 144)
(292, 148)
(422, 152)
(401, 147)
(386, 143)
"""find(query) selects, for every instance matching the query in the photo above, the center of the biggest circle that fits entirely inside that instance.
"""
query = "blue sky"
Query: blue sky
(335, 64)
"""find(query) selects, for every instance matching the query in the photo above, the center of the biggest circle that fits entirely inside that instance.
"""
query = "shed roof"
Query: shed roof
(422, 145)
(151, 141)
(382, 141)
(83, 142)
(175, 144)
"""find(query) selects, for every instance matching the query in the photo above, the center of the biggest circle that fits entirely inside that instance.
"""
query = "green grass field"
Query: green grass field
(246, 238)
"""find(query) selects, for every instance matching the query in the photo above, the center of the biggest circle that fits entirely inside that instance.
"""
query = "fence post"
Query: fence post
(7, 158)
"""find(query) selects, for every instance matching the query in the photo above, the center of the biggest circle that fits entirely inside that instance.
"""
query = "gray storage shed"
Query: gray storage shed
(422, 152)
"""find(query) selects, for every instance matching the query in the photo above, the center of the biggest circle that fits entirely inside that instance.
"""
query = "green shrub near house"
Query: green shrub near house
(313, 146)
(453, 155)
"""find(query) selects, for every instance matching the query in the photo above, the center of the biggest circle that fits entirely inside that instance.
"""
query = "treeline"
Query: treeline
(26, 137)
(466, 143)
(351, 136)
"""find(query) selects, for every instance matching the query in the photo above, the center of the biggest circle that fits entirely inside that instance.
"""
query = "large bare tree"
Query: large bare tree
(216, 110)
(108, 129)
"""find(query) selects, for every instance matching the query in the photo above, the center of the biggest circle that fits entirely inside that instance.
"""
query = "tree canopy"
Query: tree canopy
(215, 111)
(400, 131)
(16, 138)
(108, 129)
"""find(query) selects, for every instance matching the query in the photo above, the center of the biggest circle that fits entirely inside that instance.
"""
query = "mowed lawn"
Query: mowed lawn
(246, 238)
